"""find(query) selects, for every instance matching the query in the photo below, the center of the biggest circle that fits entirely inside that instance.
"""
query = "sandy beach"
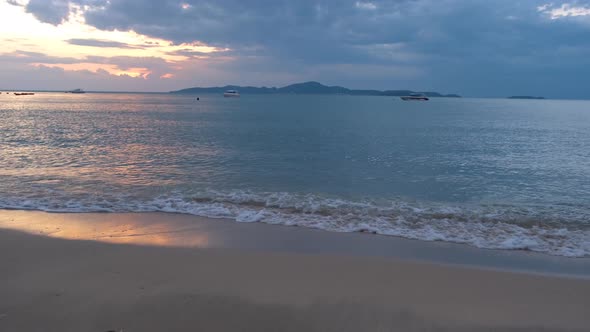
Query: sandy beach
(54, 284)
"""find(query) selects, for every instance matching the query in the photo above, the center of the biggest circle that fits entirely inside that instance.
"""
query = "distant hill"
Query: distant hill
(525, 97)
(309, 88)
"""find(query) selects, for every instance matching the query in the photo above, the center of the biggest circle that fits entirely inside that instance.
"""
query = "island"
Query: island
(310, 88)
(525, 97)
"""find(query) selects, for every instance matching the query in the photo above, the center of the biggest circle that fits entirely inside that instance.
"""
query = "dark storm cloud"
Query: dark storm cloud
(49, 11)
(307, 30)
(14, 3)
(100, 43)
(157, 66)
(20, 56)
(188, 53)
(469, 46)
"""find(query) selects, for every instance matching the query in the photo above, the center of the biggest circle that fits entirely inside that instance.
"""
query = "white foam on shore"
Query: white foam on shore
(492, 227)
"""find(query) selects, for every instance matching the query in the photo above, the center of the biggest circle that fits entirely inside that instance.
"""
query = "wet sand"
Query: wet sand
(55, 284)
(181, 230)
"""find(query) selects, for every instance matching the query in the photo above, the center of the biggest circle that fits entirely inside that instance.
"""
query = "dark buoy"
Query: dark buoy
(197, 98)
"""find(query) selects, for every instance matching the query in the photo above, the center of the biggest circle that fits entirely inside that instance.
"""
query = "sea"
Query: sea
(490, 173)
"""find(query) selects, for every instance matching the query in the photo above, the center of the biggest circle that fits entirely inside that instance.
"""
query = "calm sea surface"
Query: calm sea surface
(493, 173)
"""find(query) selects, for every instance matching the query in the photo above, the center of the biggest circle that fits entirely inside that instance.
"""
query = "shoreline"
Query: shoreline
(189, 231)
(165, 272)
(51, 284)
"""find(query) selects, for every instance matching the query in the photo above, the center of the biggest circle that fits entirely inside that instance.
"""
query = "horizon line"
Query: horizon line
(222, 86)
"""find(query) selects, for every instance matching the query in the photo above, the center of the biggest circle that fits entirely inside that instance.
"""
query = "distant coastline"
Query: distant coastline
(525, 97)
(310, 88)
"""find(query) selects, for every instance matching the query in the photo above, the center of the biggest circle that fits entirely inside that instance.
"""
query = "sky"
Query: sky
(481, 48)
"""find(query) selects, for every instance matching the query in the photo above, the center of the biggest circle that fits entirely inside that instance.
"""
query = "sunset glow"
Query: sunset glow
(75, 46)
(533, 47)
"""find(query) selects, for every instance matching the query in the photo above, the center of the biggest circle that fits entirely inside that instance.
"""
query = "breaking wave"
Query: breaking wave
(562, 231)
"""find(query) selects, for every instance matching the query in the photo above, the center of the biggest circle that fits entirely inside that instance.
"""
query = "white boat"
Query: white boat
(231, 93)
(415, 96)
(76, 91)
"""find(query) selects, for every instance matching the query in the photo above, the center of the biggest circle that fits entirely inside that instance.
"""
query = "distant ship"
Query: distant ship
(23, 93)
(415, 96)
(76, 91)
(231, 93)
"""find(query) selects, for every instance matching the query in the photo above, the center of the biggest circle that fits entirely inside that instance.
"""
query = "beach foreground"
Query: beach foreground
(50, 284)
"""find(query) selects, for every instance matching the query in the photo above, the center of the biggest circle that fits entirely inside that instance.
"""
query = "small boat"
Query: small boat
(76, 91)
(414, 96)
(231, 93)
(23, 93)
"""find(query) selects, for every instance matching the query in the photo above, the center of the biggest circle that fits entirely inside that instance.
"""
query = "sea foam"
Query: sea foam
(539, 229)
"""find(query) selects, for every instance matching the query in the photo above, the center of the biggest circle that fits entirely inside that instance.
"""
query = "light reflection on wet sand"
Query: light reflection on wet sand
(129, 228)
(180, 230)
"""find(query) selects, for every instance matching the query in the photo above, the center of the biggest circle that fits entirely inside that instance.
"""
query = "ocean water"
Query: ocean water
(492, 173)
